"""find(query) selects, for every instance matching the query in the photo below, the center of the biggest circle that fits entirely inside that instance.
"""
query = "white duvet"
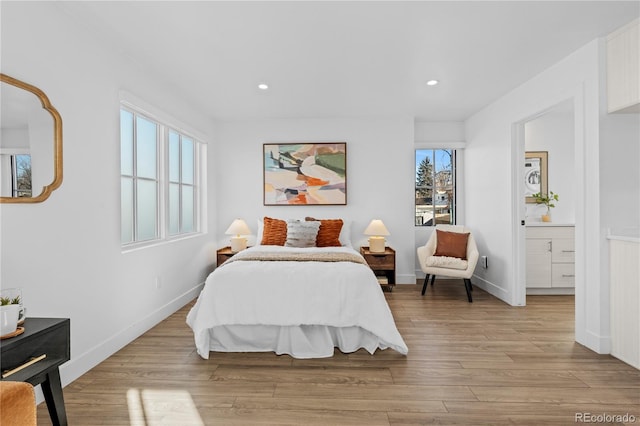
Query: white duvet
(303, 309)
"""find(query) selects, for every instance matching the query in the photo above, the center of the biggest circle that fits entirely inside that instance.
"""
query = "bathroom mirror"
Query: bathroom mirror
(535, 174)
(30, 143)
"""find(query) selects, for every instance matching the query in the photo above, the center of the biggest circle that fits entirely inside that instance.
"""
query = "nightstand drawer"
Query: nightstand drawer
(383, 265)
(223, 254)
(381, 261)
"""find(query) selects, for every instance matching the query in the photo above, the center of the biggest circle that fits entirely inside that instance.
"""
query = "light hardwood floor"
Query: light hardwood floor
(484, 363)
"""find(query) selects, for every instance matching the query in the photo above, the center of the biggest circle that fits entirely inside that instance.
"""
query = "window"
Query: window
(159, 179)
(20, 175)
(435, 187)
(181, 183)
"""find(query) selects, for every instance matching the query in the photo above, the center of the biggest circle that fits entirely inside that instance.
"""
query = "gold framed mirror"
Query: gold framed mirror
(30, 143)
(535, 175)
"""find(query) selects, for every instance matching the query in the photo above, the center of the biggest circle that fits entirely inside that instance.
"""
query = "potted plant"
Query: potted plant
(547, 200)
(9, 301)
(13, 296)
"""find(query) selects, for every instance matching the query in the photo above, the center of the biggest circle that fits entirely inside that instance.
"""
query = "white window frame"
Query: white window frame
(165, 124)
(456, 148)
(195, 185)
(9, 172)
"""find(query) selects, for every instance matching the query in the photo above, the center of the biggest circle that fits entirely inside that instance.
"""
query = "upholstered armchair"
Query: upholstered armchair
(450, 258)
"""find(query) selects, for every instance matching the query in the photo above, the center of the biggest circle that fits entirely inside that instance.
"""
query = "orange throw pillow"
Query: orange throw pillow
(451, 244)
(329, 233)
(274, 233)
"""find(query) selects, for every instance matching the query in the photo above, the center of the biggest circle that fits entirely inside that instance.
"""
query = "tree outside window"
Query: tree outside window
(21, 175)
(435, 187)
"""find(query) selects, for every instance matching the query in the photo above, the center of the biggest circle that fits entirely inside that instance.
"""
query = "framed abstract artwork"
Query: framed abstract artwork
(535, 174)
(305, 173)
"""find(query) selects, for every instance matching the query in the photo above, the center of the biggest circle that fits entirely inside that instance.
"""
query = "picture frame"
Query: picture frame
(535, 174)
(304, 173)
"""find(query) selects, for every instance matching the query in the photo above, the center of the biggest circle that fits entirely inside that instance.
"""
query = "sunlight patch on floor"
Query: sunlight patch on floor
(153, 407)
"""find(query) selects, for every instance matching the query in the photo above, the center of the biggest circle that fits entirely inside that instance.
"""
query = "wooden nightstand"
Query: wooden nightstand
(382, 264)
(223, 254)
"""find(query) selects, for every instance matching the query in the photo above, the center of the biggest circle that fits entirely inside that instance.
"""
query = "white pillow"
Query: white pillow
(301, 233)
(345, 233)
(260, 232)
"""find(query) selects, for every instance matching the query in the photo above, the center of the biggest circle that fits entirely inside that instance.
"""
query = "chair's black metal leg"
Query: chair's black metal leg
(426, 281)
(468, 287)
(433, 278)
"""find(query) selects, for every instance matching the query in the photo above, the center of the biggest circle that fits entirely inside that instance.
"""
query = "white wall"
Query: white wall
(65, 252)
(619, 184)
(379, 176)
(553, 132)
(490, 146)
(620, 171)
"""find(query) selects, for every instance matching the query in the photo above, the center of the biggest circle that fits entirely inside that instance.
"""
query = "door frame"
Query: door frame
(518, 208)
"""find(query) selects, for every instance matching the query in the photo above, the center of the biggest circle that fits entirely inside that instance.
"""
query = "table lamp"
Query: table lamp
(236, 228)
(377, 230)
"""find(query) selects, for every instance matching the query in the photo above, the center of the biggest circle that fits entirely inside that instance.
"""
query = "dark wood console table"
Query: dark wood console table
(42, 336)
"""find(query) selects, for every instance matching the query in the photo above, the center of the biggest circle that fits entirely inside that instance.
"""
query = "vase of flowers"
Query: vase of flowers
(549, 201)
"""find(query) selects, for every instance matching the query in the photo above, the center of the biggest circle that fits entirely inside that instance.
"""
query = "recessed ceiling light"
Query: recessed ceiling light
(432, 82)
(263, 86)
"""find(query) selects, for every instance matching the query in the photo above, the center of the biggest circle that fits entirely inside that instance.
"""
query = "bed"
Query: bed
(303, 302)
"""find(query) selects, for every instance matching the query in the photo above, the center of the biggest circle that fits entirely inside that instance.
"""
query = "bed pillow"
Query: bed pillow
(260, 231)
(345, 233)
(274, 232)
(329, 233)
(451, 244)
(302, 234)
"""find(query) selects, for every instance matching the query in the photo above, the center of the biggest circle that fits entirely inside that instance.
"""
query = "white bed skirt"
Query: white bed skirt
(303, 342)
(301, 308)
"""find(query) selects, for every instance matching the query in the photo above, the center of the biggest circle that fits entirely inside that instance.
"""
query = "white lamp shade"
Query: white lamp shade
(238, 227)
(377, 228)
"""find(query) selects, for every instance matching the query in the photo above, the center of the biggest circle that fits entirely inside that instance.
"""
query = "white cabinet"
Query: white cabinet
(550, 259)
(623, 69)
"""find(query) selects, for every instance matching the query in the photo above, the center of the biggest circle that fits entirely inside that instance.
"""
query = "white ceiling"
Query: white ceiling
(333, 59)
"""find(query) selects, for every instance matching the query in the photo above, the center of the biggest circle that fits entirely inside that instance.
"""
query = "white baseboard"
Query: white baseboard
(491, 288)
(487, 286)
(79, 365)
(551, 291)
(597, 343)
(405, 278)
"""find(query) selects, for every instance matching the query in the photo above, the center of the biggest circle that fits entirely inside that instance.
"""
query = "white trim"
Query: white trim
(439, 145)
(131, 247)
(624, 238)
(622, 29)
(166, 124)
(80, 364)
(14, 151)
(581, 255)
(490, 288)
(405, 279)
(551, 291)
(132, 101)
(598, 343)
(518, 234)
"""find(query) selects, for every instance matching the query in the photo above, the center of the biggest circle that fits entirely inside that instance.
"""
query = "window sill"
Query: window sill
(133, 247)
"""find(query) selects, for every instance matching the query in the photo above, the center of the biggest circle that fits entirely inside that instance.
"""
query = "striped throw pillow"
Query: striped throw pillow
(301, 234)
